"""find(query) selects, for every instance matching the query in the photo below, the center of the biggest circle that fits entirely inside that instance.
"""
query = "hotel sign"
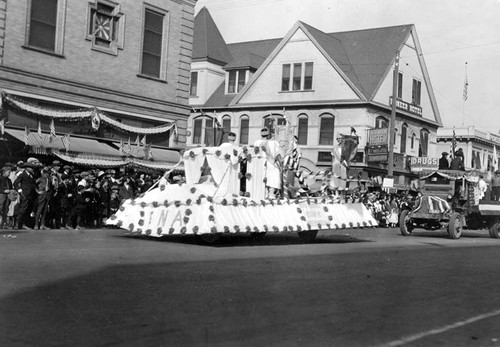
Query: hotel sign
(403, 105)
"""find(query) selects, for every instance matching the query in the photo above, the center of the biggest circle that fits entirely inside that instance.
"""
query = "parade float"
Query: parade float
(231, 189)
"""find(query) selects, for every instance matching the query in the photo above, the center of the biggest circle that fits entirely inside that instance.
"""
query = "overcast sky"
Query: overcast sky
(451, 33)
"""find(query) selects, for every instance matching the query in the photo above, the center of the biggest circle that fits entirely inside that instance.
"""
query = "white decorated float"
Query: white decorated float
(209, 203)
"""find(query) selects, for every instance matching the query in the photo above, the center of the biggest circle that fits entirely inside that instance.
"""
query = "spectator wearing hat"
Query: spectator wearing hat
(457, 163)
(5, 188)
(65, 193)
(79, 206)
(26, 186)
(443, 161)
(115, 201)
(45, 190)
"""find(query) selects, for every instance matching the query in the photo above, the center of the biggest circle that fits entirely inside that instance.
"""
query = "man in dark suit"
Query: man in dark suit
(26, 186)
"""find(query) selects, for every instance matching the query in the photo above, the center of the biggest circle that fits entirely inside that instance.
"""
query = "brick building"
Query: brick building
(63, 61)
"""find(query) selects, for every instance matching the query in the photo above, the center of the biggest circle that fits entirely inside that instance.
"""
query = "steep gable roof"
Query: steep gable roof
(368, 54)
(208, 43)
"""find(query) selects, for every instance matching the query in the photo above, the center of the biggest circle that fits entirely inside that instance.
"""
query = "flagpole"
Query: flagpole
(465, 95)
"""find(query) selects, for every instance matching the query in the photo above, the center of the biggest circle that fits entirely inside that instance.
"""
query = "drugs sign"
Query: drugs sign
(423, 163)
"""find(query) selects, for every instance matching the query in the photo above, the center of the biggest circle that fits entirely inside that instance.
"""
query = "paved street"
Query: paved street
(365, 287)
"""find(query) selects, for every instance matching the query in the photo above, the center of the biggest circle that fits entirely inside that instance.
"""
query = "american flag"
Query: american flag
(52, 130)
(40, 134)
(122, 150)
(66, 142)
(26, 134)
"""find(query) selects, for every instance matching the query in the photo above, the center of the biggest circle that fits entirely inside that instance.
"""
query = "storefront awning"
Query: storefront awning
(74, 144)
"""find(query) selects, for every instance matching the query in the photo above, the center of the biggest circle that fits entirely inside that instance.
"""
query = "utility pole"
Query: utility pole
(392, 123)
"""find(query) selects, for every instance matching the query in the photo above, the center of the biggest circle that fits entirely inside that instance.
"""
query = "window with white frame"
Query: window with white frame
(154, 43)
(193, 87)
(271, 121)
(381, 122)
(400, 85)
(105, 26)
(416, 92)
(205, 131)
(45, 25)
(302, 129)
(226, 126)
(326, 129)
(244, 130)
(423, 147)
(236, 81)
(297, 76)
(404, 135)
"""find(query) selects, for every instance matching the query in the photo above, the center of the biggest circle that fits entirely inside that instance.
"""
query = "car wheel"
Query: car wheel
(455, 226)
(495, 228)
(405, 224)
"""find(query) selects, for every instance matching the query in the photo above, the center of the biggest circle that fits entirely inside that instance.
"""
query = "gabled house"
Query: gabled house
(322, 83)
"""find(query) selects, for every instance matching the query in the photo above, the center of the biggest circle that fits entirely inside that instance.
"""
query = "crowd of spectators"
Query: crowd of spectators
(53, 196)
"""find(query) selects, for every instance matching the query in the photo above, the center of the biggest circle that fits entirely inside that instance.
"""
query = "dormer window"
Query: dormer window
(236, 81)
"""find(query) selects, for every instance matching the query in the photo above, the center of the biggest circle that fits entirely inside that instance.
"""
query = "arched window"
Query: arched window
(226, 127)
(326, 129)
(381, 122)
(302, 128)
(412, 142)
(395, 136)
(244, 128)
(272, 120)
(404, 134)
(423, 147)
(205, 131)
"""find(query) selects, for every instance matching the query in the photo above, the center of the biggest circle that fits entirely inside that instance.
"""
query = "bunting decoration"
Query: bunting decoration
(96, 119)
(143, 141)
(2, 127)
(94, 114)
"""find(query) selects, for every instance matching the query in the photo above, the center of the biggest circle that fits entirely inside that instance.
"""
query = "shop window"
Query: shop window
(154, 44)
(46, 25)
(326, 130)
(303, 128)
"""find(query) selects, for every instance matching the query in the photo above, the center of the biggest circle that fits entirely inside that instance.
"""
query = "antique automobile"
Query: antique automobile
(451, 200)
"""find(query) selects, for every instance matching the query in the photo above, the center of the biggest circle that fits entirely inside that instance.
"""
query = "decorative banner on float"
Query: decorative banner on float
(418, 164)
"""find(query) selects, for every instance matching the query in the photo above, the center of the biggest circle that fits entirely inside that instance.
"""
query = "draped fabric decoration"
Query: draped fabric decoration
(94, 114)
(2, 127)
(107, 162)
(185, 209)
(66, 142)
